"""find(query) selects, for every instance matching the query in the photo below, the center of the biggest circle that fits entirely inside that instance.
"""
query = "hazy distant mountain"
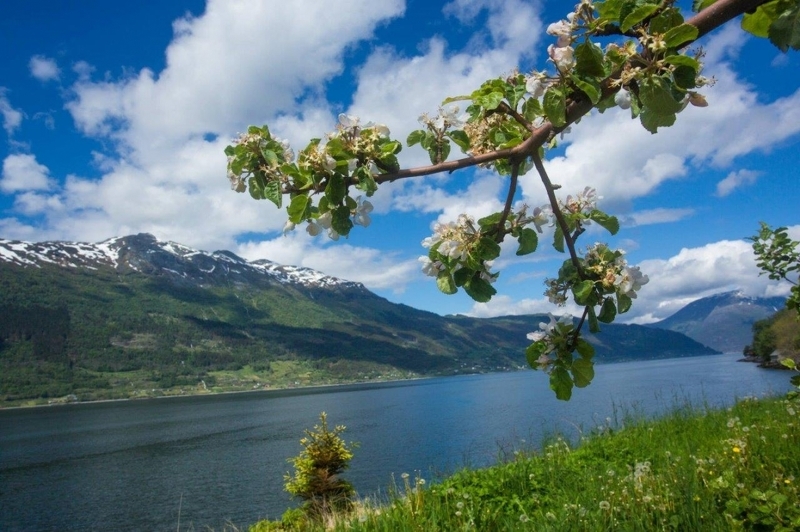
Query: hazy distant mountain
(138, 312)
(723, 321)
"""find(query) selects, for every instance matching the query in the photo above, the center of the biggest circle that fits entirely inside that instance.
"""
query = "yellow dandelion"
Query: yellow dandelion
(736, 449)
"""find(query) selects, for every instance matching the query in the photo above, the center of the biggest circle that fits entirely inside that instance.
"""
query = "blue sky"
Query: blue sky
(115, 116)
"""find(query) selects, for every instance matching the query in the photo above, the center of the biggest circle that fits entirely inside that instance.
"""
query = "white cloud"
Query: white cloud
(736, 179)
(692, 274)
(655, 216)
(376, 269)
(12, 118)
(240, 62)
(21, 172)
(44, 68)
(623, 161)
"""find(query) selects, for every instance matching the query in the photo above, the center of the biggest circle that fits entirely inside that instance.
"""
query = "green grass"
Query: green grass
(732, 469)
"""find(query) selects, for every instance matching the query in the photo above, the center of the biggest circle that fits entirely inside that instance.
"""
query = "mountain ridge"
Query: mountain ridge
(722, 321)
(136, 313)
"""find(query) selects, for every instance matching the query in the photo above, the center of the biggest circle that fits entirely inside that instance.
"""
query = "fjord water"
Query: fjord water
(196, 462)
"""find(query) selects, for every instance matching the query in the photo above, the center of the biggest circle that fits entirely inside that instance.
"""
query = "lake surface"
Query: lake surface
(206, 461)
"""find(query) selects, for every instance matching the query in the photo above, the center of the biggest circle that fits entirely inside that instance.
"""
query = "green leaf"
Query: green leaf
(272, 192)
(462, 275)
(609, 10)
(589, 60)
(607, 222)
(555, 107)
(680, 35)
(533, 352)
(478, 289)
(488, 221)
(652, 120)
(270, 156)
(582, 372)
(685, 77)
(298, 208)
(446, 283)
(655, 94)
(561, 383)
(489, 101)
(608, 311)
(460, 138)
(584, 348)
(785, 31)
(638, 15)
(761, 19)
(452, 99)
(415, 137)
(594, 326)
(255, 188)
(558, 239)
(340, 220)
(487, 249)
(531, 109)
(589, 89)
(583, 292)
(665, 21)
(683, 60)
(336, 189)
(528, 241)
(699, 5)
(624, 302)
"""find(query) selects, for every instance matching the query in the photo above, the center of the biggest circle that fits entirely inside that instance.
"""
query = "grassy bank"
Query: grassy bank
(732, 469)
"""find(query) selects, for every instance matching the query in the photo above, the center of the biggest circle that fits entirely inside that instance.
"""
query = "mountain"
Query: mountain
(136, 316)
(723, 321)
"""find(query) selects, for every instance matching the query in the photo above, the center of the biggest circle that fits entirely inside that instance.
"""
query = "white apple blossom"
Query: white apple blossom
(348, 121)
(431, 268)
(288, 226)
(623, 99)
(562, 56)
(362, 212)
(535, 85)
(563, 30)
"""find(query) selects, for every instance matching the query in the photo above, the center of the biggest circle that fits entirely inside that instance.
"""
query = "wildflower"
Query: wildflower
(404, 476)
(605, 505)
(524, 518)
(551, 516)
(736, 449)
(459, 505)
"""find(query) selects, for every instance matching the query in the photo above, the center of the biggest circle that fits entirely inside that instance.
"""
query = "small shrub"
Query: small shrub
(318, 467)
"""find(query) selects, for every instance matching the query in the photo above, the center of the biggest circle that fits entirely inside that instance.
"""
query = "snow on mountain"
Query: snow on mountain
(144, 253)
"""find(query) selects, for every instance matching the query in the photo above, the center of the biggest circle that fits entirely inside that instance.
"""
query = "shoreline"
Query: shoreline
(312, 388)
(318, 388)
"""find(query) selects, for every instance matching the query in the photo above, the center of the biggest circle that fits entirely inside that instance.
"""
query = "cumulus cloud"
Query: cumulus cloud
(376, 269)
(736, 179)
(12, 118)
(655, 216)
(623, 161)
(21, 172)
(44, 68)
(694, 273)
